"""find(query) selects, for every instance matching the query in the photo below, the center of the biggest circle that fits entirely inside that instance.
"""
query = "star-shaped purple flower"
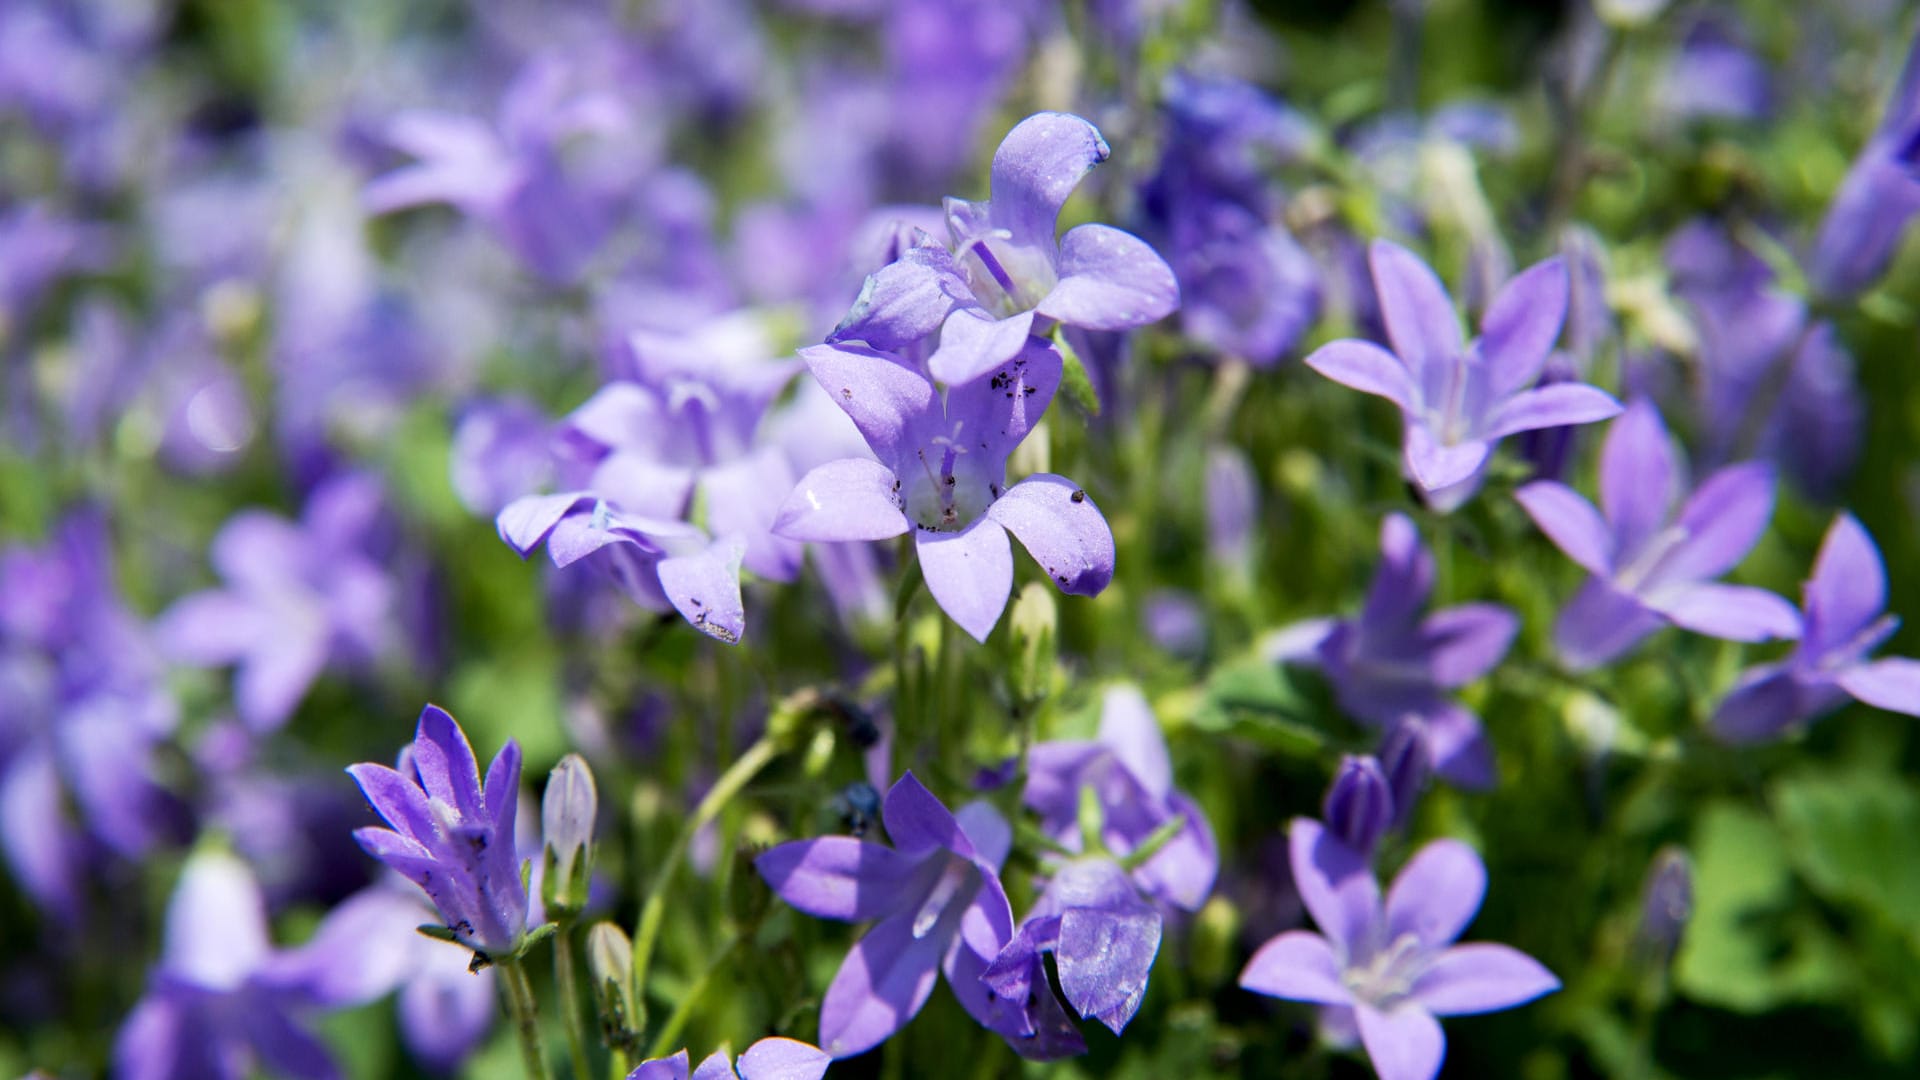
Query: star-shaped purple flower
(1391, 662)
(935, 902)
(1395, 966)
(942, 473)
(1007, 275)
(1460, 398)
(450, 835)
(1843, 620)
(1652, 561)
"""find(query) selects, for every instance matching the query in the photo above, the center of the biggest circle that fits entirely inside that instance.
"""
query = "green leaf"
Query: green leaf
(1844, 833)
(1074, 379)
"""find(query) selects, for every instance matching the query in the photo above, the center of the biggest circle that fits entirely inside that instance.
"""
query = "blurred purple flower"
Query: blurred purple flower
(1881, 193)
(502, 449)
(450, 835)
(1009, 275)
(296, 598)
(1843, 619)
(1715, 75)
(1395, 967)
(38, 248)
(1127, 767)
(1653, 558)
(1461, 398)
(1359, 805)
(1390, 662)
(941, 473)
(935, 902)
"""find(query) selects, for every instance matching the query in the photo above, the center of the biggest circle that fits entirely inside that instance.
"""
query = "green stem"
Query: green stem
(669, 1036)
(647, 931)
(525, 1020)
(567, 985)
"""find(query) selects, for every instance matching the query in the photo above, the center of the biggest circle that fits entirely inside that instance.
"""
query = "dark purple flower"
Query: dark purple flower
(1391, 661)
(1132, 779)
(935, 902)
(1407, 763)
(1843, 620)
(1652, 557)
(1461, 398)
(1009, 275)
(450, 835)
(1359, 805)
(942, 473)
(1395, 967)
(296, 597)
(768, 1059)
(218, 1007)
(1880, 194)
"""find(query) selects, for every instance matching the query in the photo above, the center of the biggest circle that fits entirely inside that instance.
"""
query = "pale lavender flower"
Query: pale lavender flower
(501, 451)
(1008, 275)
(1716, 75)
(295, 599)
(1843, 620)
(1391, 661)
(942, 474)
(768, 1059)
(1394, 967)
(450, 835)
(935, 902)
(1653, 558)
(1460, 398)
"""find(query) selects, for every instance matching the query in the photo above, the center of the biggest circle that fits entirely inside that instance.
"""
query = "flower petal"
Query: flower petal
(1405, 1043)
(1892, 684)
(883, 983)
(1419, 315)
(667, 1068)
(838, 877)
(1479, 978)
(1600, 624)
(893, 405)
(969, 573)
(1728, 612)
(776, 1058)
(1298, 966)
(1458, 746)
(714, 1066)
(993, 414)
(973, 343)
(852, 499)
(527, 521)
(1522, 323)
(1435, 466)
(1035, 170)
(918, 822)
(1129, 729)
(1762, 705)
(1062, 529)
(1639, 478)
(1104, 958)
(396, 799)
(1557, 405)
(1334, 882)
(1848, 590)
(216, 933)
(1571, 522)
(1109, 280)
(444, 758)
(743, 498)
(905, 301)
(1437, 893)
(1366, 367)
(213, 627)
(259, 551)
(704, 588)
(1467, 641)
(1722, 520)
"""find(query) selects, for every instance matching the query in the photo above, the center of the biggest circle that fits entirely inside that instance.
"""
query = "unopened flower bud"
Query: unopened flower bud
(567, 813)
(1407, 762)
(610, 966)
(1667, 902)
(1359, 805)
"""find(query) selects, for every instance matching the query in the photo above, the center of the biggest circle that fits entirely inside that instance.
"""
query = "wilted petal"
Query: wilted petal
(1480, 978)
(882, 984)
(969, 573)
(1405, 1043)
(1522, 323)
(1335, 883)
(1298, 966)
(1109, 280)
(1062, 529)
(1639, 478)
(973, 343)
(705, 589)
(838, 877)
(1723, 520)
(1892, 684)
(1728, 612)
(1571, 522)
(1419, 315)
(1557, 405)
(1436, 894)
(853, 499)
(1848, 590)
(783, 1059)
(1600, 624)
(1036, 168)
(1467, 641)
(1366, 367)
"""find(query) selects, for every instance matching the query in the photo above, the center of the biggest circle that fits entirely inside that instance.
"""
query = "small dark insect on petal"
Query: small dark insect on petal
(1078, 496)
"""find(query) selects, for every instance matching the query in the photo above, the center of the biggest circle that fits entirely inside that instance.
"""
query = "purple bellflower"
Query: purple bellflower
(1461, 398)
(942, 474)
(450, 835)
(222, 1004)
(1008, 276)
(296, 597)
(1395, 967)
(1652, 557)
(769, 1059)
(935, 902)
(1102, 934)
(1390, 662)
(1359, 805)
(1843, 620)
(1879, 196)
(501, 451)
